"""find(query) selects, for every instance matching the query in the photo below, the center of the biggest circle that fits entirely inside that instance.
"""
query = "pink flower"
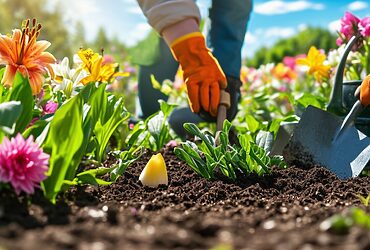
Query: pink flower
(50, 107)
(172, 144)
(108, 59)
(349, 25)
(364, 27)
(289, 61)
(339, 41)
(22, 163)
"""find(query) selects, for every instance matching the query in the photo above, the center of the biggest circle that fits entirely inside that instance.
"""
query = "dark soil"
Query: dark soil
(281, 211)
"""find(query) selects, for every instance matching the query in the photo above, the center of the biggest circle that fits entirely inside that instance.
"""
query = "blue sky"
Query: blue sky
(270, 20)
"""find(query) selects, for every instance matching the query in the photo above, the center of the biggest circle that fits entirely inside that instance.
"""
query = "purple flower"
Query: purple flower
(364, 27)
(22, 163)
(50, 108)
(349, 25)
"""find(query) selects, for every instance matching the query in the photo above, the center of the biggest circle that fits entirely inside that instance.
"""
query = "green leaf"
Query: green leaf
(64, 140)
(9, 114)
(103, 131)
(364, 200)
(125, 160)
(166, 108)
(194, 130)
(21, 91)
(252, 123)
(309, 99)
(38, 130)
(264, 139)
(360, 217)
(196, 163)
(90, 176)
(155, 83)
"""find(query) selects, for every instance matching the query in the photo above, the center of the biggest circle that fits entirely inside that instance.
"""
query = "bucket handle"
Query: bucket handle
(335, 105)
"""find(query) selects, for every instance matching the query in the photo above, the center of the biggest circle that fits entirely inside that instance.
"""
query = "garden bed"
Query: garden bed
(283, 210)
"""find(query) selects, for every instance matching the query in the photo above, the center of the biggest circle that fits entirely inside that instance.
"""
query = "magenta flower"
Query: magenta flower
(22, 163)
(364, 27)
(50, 107)
(289, 61)
(349, 25)
(339, 41)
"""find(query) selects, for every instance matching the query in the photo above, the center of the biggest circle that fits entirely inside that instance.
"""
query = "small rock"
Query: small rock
(270, 224)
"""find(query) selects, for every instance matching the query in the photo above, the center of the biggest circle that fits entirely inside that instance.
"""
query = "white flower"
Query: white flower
(67, 79)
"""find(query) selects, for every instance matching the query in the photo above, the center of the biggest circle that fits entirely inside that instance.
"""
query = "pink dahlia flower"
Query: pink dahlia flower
(349, 25)
(364, 27)
(22, 163)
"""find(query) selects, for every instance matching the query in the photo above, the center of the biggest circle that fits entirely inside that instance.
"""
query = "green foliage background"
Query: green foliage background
(295, 45)
(63, 43)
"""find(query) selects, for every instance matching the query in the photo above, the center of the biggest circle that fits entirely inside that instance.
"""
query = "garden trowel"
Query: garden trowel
(222, 109)
(323, 139)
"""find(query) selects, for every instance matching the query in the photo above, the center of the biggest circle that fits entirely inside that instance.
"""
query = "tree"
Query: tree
(298, 44)
(78, 40)
(13, 12)
(101, 40)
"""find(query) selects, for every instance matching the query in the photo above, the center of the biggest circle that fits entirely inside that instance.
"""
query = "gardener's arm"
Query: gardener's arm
(178, 22)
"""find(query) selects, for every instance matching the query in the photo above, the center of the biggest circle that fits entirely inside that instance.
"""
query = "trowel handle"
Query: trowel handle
(222, 109)
(335, 105)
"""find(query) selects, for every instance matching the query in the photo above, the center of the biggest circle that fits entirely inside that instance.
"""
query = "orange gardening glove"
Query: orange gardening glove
(202, 73)
(365, 91)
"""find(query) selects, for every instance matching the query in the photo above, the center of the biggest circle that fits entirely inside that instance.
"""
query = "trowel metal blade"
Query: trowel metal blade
(313, 143)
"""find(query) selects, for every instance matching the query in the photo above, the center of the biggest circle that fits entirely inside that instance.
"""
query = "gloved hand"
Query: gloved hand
(203, 75)
(365, 91)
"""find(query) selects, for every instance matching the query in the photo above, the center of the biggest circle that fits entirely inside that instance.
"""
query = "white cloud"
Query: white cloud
(334, 26)
(276, 7)
(138, 32)
(277, 32)
(81, 7)
(250, 38)
(302, 26)
(357, 5)
(266, 37)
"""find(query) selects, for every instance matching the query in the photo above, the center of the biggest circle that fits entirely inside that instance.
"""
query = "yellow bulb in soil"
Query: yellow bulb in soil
(155, 172)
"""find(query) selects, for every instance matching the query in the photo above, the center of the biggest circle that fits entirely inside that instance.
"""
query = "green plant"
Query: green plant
(154, 132)
(356, 216)
(17, 105)
(81, 125)
(9, 114)
(65, 157)
(364, 200)
(216, 153)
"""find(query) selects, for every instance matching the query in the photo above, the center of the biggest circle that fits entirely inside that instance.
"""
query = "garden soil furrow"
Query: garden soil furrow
(283, 210)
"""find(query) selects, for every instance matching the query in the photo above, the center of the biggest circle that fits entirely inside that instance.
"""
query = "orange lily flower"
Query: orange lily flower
(23, 53)
(282, 72)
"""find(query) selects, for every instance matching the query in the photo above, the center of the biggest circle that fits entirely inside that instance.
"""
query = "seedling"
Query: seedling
(364, 201)
(210, 156)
